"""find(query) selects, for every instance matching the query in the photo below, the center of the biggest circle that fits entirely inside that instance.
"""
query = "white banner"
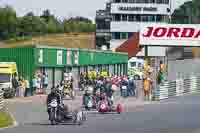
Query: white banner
(59, 57)
(40, 54)
(76, 58)
(170, 35)
(69, 58)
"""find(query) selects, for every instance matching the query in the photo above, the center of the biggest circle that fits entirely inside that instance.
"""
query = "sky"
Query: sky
(63, 8)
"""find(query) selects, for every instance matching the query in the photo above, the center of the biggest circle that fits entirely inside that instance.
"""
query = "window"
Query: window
(144, 1)
(117, 17)
(144, 18)
(132, 18)
(140, 65)
(130, 34)
(133, 64)
(162, 1)
(4, 77)
(166, 1)
(117, 1)
(116, 35)
(158, 18)
(124, 1)
(124, 17)
(151, 18)
(132, 1)
(138, 18)
(124, 35)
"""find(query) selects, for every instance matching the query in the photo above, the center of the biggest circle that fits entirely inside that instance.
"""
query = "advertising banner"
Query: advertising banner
(69, 61)
(170, 35)
(59, 57)
(40, 56)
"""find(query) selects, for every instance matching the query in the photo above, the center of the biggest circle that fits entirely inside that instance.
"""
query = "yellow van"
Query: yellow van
(8, 70)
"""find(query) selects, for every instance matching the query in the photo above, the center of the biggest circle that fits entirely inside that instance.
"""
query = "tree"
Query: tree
(31, 25)
(189, 12)
(47, 16)
(8, 22)
(80, 19)
(183, 15)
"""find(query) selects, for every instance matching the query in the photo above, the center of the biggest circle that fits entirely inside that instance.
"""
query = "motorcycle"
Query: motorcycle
(53, 111)
(104, 107)
(59, 116)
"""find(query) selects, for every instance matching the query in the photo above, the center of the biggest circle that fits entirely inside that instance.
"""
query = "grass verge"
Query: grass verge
(5, 119)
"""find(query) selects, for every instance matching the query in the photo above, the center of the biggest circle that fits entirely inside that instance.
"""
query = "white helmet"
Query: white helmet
(90, 89)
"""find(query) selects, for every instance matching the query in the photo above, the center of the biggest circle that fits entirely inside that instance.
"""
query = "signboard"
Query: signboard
(69, 61)
(59, 57)
(127, 8)
(40, 56)
(170, 35)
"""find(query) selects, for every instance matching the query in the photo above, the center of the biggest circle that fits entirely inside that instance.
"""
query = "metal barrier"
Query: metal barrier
(178, 87)
(1, 100)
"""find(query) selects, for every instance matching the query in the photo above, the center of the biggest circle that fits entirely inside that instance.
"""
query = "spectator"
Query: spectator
(34, 82)
(15, 82)
(45, 83)
(27, 87)
(22, 87)
(131, 87)
(39, 80)
(124, 86)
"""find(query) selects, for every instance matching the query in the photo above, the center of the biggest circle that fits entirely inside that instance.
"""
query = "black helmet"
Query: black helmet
(53, 90)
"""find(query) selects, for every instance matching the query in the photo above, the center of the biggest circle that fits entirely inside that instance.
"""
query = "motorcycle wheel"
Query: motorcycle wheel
(84, 116)
(53, 122)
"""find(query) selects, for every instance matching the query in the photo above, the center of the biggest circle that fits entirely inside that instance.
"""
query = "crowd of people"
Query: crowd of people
(107, 83)
(23, 87)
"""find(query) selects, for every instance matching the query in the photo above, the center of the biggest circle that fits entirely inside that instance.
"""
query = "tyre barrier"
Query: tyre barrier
(176, 88)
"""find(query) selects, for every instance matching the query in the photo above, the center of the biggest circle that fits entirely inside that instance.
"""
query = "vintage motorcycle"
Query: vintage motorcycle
(58, 115)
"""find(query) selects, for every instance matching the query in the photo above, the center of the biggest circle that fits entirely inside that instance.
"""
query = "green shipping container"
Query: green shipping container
(29, 58)
(23, 56)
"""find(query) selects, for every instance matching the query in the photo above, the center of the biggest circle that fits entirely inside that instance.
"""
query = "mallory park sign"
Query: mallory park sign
(170, 35)
(151, 9)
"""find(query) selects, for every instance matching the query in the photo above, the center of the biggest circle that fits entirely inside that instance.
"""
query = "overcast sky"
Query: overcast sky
(63, 8)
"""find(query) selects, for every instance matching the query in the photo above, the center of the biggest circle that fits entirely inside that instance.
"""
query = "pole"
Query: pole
(146, 69)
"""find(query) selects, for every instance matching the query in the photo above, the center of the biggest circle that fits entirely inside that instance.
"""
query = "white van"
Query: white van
(136, 63)
(135, 67)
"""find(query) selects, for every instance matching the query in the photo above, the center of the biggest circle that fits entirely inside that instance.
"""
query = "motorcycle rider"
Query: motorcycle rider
(88, 93)
(50, 97)
(63, 109)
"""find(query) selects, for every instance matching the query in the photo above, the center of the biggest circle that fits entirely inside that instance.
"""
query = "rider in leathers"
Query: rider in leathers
(55, 95)
(51, 96)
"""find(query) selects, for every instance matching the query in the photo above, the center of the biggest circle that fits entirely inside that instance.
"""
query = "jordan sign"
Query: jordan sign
(170, 35)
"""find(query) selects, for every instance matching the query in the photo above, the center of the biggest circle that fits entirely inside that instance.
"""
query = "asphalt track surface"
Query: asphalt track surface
(177, 115)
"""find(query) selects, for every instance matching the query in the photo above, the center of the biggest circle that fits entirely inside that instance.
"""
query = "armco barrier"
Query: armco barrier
(1, 99)
(178, 87)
